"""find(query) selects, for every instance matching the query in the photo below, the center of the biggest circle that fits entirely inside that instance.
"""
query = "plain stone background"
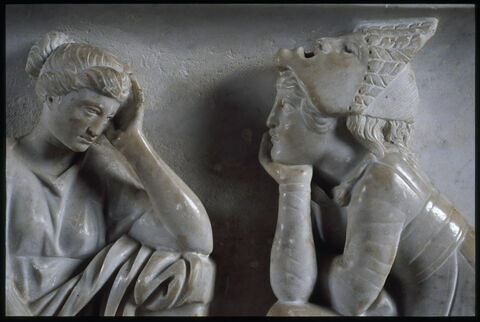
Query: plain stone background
(209, 82)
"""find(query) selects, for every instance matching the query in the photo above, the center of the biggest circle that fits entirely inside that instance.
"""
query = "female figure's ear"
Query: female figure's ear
(51, 101)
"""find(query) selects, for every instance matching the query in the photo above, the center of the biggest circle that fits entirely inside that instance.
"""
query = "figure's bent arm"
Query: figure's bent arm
(177, 208)
(293, 269)
(374, 227)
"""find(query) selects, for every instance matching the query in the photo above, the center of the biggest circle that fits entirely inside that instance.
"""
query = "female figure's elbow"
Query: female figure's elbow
(205, 236)
(204, 243)
(199, 239)
(200, 245)
(196, 235)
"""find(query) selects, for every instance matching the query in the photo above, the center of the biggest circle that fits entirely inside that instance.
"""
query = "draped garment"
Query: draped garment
(71, 245)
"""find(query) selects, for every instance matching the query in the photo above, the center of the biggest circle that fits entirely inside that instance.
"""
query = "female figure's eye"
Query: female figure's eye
(90, 110)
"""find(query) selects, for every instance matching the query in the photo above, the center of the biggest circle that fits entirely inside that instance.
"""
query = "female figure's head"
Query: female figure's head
(363, 79)
(81, 87)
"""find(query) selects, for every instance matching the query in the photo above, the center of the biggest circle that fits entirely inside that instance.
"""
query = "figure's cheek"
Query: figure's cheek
(78, 123)
(276, 152)
(284, 132)
(286, 122)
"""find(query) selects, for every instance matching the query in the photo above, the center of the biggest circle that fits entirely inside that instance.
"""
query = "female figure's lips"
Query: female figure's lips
(86, 139)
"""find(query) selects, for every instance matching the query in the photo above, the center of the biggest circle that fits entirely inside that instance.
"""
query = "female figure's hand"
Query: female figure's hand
(280, 172)
(127, 124)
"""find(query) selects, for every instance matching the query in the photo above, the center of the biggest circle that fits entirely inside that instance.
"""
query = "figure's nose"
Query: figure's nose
(96, 128)
(272, 120)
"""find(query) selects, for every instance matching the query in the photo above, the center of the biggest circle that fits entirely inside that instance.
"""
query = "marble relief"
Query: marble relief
(361, 230)
(96, 222)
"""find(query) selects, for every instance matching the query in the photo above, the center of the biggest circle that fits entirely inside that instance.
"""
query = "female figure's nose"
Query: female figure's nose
(96, 127)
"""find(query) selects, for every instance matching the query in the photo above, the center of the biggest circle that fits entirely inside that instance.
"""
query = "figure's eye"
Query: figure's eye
(287, 106)
(90, 110)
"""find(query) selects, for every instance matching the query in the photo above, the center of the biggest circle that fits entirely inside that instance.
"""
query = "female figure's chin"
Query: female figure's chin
(79, 147)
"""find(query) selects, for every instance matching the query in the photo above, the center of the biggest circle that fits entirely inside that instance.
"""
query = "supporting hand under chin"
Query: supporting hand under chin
(283, 174)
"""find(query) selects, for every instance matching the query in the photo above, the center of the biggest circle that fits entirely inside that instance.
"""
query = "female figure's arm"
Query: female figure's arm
(177, 208)
(293, 269)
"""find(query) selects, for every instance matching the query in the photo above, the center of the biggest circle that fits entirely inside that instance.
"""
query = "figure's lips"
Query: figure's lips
(86, 139)
(273, 135)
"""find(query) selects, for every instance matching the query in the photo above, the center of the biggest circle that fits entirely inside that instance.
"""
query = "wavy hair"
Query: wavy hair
(378, 135)
(61, 65)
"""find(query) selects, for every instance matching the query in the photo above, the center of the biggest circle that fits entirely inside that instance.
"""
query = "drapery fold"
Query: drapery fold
(144, 280)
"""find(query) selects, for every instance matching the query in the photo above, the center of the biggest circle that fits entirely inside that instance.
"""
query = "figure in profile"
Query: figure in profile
(388, 242)
(96, 222)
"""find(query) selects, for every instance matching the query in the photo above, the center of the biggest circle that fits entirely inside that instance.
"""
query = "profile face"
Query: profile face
(293, 141)
(331, 74)
(80, 117)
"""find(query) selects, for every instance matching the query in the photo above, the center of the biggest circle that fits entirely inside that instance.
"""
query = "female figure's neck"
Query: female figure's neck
(45, 152)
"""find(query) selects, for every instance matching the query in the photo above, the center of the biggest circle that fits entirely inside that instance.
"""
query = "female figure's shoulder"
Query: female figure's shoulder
(15, 165)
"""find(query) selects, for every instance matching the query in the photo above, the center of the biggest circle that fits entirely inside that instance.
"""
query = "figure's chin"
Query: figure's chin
(79, 147)
(283, 156)
(275, 153)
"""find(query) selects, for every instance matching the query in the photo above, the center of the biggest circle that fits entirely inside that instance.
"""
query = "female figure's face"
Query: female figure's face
(77, 119)
(293, 141)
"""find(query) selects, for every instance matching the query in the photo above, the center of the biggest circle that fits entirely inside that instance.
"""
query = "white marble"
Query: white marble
(209, 89)
(89, 201)
(338, 146)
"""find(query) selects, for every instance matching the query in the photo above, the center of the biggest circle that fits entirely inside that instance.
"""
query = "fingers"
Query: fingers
(111, 134)
(138, 100)
(137, 92)
(281, 172)
(265, 158)
(264, 151)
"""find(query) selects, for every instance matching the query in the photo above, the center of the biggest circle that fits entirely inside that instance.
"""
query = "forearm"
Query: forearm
(176, 206)
(293, 264)
(358, 276)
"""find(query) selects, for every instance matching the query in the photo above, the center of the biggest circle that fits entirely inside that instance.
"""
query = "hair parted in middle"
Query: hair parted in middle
(61, 65)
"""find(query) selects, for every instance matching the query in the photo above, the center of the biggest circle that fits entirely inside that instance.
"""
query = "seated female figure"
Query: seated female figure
(97, 223)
